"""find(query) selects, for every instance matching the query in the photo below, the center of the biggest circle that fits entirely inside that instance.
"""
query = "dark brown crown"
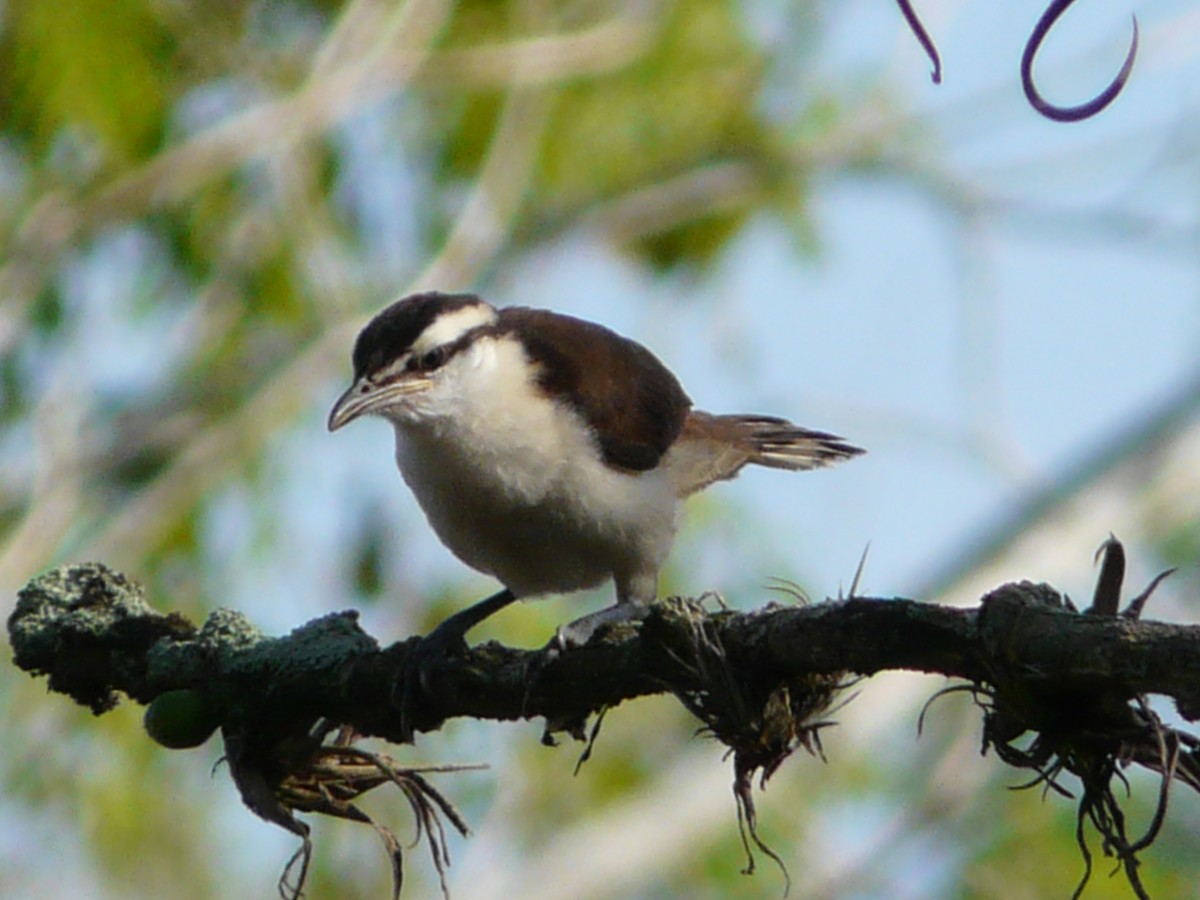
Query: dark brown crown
(392, 332)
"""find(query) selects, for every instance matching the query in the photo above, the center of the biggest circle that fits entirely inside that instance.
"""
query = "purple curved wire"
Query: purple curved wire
(923, 38)
(1083, 110)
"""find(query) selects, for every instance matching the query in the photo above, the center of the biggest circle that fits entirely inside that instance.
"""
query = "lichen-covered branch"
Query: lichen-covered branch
(761, 682)
(93, 633)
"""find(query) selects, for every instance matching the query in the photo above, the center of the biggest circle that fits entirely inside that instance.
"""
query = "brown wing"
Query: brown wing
(632, 402)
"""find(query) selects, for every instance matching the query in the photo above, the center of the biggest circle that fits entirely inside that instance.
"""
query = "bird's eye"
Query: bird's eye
(428, 361)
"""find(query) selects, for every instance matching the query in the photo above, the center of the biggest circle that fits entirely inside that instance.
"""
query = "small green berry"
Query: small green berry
(180, 719)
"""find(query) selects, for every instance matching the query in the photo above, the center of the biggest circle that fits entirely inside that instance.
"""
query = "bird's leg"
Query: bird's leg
(446, 640)
(451, 633)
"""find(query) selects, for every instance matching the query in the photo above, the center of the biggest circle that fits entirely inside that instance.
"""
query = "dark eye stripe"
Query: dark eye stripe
(436, 357)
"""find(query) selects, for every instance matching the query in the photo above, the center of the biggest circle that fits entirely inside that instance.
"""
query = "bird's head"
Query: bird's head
(403, 355)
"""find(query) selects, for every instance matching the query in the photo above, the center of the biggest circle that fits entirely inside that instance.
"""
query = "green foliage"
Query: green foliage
(46, 312)
(1031, 827)
(688, 102)
(691, 100)
(118, 812)
(101, 69)
(369, 551)
(698, 240)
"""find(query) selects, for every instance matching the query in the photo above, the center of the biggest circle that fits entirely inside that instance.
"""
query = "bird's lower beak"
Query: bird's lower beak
(364, 397)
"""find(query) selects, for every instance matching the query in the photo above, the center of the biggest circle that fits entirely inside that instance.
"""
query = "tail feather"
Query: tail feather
(714, 448)
(779, 444)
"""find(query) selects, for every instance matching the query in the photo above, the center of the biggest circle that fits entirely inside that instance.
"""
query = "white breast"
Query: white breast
(513, 483)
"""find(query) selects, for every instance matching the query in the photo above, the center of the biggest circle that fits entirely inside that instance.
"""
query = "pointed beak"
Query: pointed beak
(365, 397)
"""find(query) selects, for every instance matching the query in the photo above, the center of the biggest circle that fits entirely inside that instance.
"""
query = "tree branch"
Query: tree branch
(760, 681)
(92, 632)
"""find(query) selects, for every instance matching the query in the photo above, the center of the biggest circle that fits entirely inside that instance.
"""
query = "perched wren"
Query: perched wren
(550, 452)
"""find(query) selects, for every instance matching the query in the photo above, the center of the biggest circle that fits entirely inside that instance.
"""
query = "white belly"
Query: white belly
(534, 505)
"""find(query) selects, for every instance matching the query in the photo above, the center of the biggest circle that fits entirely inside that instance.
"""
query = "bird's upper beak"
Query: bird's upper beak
(365, 396)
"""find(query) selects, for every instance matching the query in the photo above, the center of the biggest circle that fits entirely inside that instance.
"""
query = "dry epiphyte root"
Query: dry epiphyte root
(761, 720)
(1091, 735)
(1033, 45)
(312, 775)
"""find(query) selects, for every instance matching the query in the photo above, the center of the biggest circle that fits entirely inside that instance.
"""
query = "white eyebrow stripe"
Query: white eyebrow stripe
(448, 328)
(393, 369)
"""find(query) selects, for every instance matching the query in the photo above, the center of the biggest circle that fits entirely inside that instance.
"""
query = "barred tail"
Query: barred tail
(713, 448)
(779, 444)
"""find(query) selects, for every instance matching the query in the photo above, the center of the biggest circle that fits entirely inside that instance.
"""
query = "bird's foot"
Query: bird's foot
(415, 689)
(568, 637)
(576, 634)
(580, 631)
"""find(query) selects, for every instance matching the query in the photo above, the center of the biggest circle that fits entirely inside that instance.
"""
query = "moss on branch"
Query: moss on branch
(762, 682)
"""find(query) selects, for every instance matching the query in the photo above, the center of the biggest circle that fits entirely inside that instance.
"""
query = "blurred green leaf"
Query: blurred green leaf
(46, 311)
(369, 552)
(690, 101)
(698, 240)
(102, 67)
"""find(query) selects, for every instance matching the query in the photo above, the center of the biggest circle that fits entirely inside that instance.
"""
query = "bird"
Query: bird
(548, 451)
